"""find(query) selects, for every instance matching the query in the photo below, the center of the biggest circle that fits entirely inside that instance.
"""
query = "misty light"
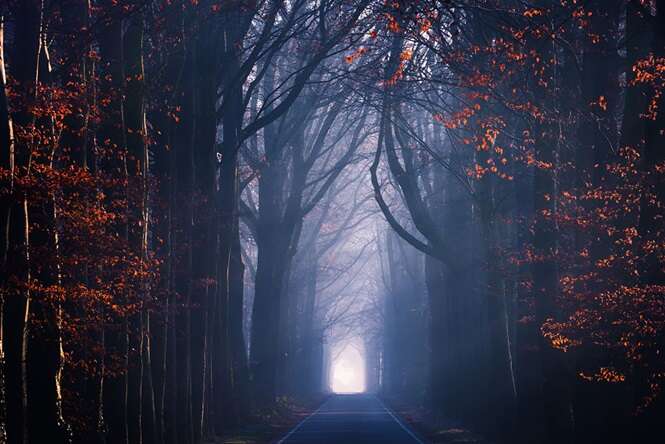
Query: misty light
(348, 371)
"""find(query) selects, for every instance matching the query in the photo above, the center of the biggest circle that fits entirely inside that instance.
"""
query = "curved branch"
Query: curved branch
(394, 224)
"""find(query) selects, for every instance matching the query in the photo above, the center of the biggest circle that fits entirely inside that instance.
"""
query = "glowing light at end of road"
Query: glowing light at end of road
(348, 371)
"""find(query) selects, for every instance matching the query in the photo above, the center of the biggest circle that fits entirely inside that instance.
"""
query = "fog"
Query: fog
(332, 221)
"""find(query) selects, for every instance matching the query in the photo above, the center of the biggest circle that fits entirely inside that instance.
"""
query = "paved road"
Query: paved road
(351, 419)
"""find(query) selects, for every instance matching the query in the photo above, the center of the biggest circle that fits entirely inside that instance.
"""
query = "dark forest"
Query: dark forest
(332, 221)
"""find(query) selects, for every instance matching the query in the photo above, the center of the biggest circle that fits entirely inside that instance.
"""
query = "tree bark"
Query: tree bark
(7, 165)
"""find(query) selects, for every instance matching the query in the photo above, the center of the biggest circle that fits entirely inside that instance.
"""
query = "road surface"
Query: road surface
(351, 419)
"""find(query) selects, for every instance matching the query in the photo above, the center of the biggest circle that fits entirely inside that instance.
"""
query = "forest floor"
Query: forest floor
(270, 425)
(434, 431)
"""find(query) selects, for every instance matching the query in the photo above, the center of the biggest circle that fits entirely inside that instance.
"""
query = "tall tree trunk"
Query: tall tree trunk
(438, 386)
(502, 390)
(308, 336)
(556, 383)
(264, 357)
(270, 268)
(111, 135)
(137, 159)
(25, 54)
(7, 165)
(208, 355)
(238, 350)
